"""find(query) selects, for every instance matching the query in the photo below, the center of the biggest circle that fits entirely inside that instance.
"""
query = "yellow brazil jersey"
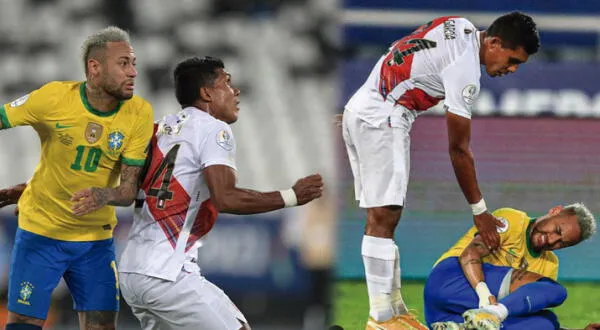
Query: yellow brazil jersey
(81, 148)
(515, 247)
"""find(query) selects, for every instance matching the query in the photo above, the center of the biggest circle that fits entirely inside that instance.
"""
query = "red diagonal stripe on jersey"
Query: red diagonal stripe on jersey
(417, 99)
(171, 215)
(205, 219)
(392, 75)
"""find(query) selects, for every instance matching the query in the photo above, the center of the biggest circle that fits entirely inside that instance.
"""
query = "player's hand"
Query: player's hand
(89, 200)
(486, 225)
(593, 326)
(11, 196)
(308, 188)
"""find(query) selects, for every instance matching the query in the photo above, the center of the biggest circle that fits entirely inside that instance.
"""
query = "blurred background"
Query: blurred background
(534, 136)
(281, 54)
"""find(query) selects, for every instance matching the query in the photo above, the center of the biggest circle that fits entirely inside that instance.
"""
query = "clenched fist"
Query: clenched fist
(308, 188)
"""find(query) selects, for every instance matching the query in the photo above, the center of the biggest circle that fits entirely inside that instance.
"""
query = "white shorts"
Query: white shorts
(189, 303)
(379, 157)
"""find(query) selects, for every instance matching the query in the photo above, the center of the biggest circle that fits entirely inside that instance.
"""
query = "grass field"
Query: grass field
(352, 306)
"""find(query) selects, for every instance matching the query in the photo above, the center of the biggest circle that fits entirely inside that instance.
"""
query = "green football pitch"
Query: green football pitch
(351, 305)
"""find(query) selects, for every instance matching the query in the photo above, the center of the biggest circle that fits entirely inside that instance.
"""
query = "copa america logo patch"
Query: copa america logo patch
(469, 94)
(20, 101)
(224, 140)
(502, 229)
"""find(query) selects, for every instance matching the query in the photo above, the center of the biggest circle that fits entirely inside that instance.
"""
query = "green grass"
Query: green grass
(352, 305)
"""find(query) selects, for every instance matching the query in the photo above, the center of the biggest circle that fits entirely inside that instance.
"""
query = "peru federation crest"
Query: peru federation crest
(115, 140)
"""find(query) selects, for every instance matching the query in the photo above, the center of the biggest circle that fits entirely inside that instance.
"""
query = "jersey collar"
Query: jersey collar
(528, 239)
(89, 107)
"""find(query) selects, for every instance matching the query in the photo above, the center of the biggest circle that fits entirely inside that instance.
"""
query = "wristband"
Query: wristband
(484, 294)
(289, 197)
(479, 207)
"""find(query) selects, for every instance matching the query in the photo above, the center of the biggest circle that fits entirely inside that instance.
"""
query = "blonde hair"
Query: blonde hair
(100, 39)
(585, 218)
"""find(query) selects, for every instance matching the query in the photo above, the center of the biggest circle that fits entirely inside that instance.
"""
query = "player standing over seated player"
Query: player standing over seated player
(90, 132)
(515, 284)
(439, 61)
(191, 178)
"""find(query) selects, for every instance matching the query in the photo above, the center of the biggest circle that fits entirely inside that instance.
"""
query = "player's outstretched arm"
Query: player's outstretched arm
(11, 195)
(472, 266)
(228, 198)
(91, 199)
(459, 137)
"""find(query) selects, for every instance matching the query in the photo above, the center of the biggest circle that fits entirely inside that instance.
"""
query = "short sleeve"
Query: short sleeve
(461, 85)
(219, 147)
(31, 108)
(135, 152)
(515, 222)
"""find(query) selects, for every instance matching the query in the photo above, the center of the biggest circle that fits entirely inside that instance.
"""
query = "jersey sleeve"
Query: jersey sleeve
(219, 147)
(31, 108)
(552, 271)
(515, 222)
(461, 85)
(135, 152)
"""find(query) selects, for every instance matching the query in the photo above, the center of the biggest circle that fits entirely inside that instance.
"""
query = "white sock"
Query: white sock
(397, 301)
(498, 310)
(379, 257)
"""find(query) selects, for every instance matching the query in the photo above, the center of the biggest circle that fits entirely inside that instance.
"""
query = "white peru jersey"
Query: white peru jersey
(176, 210)
(438, 61)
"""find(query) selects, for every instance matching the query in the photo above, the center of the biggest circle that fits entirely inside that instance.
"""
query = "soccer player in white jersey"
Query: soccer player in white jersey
(439, 61)
(190, 179)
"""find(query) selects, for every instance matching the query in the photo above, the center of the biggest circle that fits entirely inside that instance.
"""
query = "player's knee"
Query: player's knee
(559, 292)
(22, 326)
(383, 219)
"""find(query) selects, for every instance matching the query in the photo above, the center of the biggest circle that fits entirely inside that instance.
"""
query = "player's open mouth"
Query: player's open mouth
(541, 241)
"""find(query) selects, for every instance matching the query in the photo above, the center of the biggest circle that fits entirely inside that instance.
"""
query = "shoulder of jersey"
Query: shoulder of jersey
(139, 103)
(61, 86)
(510, 214)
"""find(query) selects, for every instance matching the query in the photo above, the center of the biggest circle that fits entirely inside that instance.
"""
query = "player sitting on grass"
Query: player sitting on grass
(513, 285)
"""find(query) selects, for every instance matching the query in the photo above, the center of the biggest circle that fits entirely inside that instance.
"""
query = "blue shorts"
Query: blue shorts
(448, 294)
(38, 263)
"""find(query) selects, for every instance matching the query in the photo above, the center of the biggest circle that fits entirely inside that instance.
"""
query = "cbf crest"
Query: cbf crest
(93, 132)
(25, 293)
(115, 141)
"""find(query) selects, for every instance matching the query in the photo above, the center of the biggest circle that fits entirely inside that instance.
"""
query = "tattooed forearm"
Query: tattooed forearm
(125, 193)
(101, 195)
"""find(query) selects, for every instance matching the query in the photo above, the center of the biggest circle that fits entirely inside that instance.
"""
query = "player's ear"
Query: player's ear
(93, 66)
(205, 94)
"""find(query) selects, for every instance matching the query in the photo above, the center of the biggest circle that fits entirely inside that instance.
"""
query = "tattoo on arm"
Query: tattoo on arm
(125, 193)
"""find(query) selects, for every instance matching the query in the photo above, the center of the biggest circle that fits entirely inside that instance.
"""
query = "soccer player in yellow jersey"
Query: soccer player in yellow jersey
(94, 136)
(513, 285)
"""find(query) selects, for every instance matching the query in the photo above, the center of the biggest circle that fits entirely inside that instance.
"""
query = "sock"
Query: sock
(397, 302)
(534, 297)
(379, 256)
(22, 326)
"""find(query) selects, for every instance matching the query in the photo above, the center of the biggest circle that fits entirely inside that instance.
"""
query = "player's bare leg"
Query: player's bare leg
(522, 277)
(97, 320)
(14, 318)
